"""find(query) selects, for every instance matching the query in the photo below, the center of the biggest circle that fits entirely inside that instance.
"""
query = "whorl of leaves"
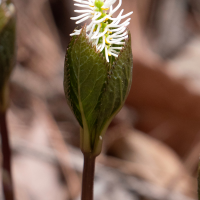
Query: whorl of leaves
(95, 90)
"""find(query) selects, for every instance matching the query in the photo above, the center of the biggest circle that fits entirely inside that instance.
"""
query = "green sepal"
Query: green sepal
(7, 49)
(95, 90)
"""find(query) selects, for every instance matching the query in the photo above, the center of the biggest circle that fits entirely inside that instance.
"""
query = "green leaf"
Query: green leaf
(7, 48)
(84, 80)
(95, 89)
(116, 91)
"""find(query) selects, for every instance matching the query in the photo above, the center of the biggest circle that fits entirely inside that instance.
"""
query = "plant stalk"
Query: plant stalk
(198, 181)
(6, 166)
(88, 177)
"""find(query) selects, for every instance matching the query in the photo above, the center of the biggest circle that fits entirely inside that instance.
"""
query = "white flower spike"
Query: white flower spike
(104, 31)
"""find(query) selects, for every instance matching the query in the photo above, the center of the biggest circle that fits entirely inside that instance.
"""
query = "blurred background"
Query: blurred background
(151, 149)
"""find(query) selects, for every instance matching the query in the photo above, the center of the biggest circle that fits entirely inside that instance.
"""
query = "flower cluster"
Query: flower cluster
(104, 31)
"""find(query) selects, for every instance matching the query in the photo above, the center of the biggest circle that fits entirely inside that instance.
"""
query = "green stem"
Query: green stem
(6, 152)
(88, 177)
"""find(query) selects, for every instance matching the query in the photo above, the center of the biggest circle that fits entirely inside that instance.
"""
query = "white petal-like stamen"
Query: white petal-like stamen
(119, 36)
(82, 11)
(100, 20)
(108, 3)
(83, 6)
(118, 6)
(84, 2)
(117, 20)
(79, 17)
(113, 54)
(104, 31)
(103, 45)
(82, 20)
(106, 53)
(118, 30)
(96, 16)
(120, 43)
(111, 9)
(100, 34)
(96, 32)
(92, 29)
(122, 17)
(116, 48)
